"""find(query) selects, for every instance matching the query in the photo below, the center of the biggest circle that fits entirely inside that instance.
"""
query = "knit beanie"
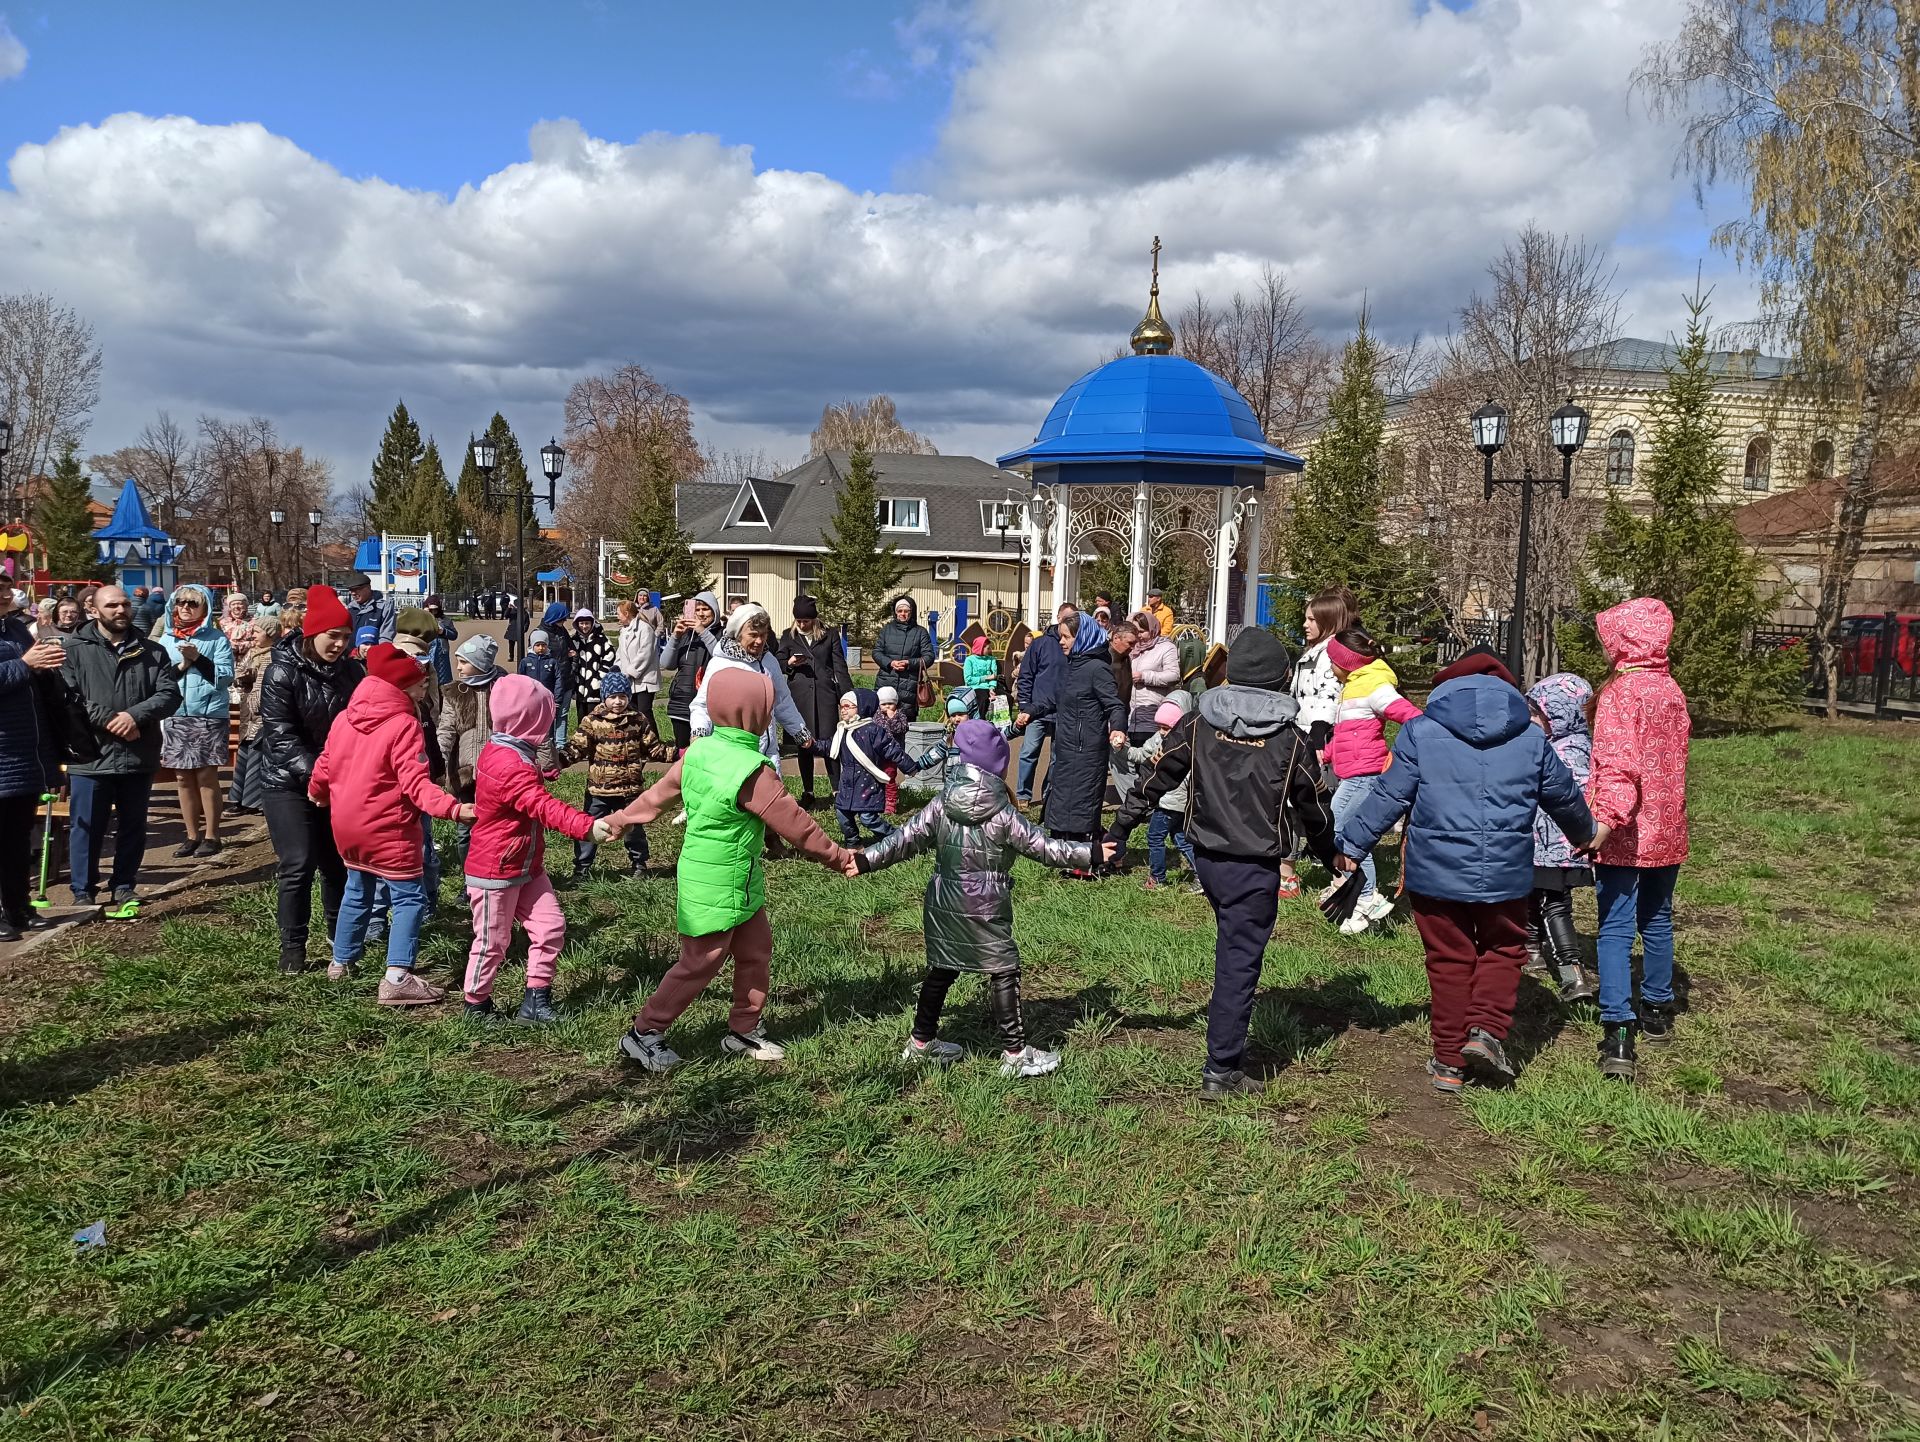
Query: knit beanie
(615, 683)
(1257, 658)
(537, 637)
(1168, 713)
(887, 696)
(393, 665)
(737, 622)
(1480, 661)
(415, 622)
(521, 708)
(980, 744)
(956, 705)
(324, 612)
(805, 608)
(478, 650)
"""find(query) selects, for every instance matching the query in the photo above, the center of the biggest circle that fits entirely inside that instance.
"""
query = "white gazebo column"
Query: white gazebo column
(1250, 596)
(1062, 557)
(1035, 555)
(1225, 536)
(1137, 574)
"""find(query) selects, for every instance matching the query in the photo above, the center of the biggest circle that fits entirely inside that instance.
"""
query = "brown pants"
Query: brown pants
(701, 957)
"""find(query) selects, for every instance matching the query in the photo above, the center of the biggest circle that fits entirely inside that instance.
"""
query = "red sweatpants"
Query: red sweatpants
(1474, 953)
(701, 957)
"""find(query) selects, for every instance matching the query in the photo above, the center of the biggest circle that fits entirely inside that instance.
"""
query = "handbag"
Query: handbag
(923, 694)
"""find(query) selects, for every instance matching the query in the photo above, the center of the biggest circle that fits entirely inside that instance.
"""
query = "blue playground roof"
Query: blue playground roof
(130, 521)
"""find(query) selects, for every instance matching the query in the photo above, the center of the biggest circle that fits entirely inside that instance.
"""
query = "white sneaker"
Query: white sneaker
(1029, 1061)
(753, 1044)
(650, 1050)
(1357, 924)
(339, 971)
(935, 1053)
(1378, 906)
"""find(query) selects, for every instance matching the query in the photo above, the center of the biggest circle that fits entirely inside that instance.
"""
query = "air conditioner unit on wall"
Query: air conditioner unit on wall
(946, 570)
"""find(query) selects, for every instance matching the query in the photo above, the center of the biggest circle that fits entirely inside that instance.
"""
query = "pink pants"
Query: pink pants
(537, 909)
(701, 957)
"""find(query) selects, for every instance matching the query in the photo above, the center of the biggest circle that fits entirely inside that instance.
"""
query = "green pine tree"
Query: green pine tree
(63, 527)
(510, 477)
(430, 506)
(394, 468)
(1686, 551)
(1331, 534)
(858, 574)
(659, 552)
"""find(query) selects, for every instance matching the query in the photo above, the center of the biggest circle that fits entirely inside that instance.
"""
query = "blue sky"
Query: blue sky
(438, 95)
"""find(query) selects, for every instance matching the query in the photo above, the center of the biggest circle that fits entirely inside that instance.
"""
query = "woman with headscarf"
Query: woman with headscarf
(696, 636)
(748, 645)
(1155, 663)
(236, 623)
(193, 741)
(903, 654)
(1088, 723)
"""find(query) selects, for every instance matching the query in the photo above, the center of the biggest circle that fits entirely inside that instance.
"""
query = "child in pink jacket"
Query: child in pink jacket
(1639, 799)
(506, 855)
(1357, 751)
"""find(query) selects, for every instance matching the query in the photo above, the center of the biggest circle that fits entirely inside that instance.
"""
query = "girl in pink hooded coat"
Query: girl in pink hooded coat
(1639, 799)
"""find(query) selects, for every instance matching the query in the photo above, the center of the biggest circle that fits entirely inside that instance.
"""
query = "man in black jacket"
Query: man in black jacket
(122, 686)
(1246, 767)
(1037, 688)
(903, 654)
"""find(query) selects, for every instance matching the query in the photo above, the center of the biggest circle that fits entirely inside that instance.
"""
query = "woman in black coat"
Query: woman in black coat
(1088, 722)
(816, 667)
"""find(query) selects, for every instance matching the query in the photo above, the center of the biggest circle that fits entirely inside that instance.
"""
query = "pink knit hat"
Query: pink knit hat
(523, 709)
(1168, 713)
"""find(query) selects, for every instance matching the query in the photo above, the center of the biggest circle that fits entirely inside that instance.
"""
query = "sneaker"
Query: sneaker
(1616, 1050)
(83, 898)
(1447, 1080)
(753, 1044)
(1656, 1022)
(1357, 924)
(1574, 986)
(650, 1050)
(1194, 888)
(1029, 1061)
(536, 1005)
(934, 1053)
(124, 906)
(1230, 1083)
(1485, 1048)
(408, 991)
(338, 970)
(1378, 906)
(480, 1012)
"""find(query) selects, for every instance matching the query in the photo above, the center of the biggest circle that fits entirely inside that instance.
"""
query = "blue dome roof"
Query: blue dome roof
(1152, 410)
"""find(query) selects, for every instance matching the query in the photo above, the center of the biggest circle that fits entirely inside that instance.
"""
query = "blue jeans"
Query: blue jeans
(409, 898)
(1037, 732)
(1347, 797)
(1634, 899)
(1158, 829)
(123, 798)
(383, 893)
(852, 821)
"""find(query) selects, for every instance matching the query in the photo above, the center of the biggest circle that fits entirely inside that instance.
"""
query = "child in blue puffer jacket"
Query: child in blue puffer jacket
(1469, 775)
(1553, 946)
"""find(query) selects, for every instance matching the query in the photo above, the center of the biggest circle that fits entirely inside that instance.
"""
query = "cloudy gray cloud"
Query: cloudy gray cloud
(1363, 146)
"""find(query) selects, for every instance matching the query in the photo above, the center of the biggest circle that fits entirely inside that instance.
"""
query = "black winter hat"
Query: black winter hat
(1259, 659)
(805, 608)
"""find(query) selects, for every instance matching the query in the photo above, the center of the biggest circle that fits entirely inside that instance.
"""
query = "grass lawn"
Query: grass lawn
(325, 1220)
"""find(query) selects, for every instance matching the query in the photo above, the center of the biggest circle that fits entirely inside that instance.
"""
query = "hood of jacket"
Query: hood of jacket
(1481, 710)
(90, 634)
(376, 702)
(740, 698)
(866, 702)
(1562, 699)
(1368, 679)
(555, 613)
(972, 795)
(913, 610)
(1636, 633)
(520, 707)
(713, 604)
(209, 618)
(1247, 712)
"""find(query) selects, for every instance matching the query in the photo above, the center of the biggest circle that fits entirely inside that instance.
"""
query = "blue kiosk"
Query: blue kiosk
(1145, 448)
(140, 553)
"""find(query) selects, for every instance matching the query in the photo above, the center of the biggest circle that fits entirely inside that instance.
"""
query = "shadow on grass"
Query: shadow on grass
(73, 1073)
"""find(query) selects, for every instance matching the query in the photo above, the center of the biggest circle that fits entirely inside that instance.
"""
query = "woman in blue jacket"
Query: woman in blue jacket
(1469, 775)
(193, 741)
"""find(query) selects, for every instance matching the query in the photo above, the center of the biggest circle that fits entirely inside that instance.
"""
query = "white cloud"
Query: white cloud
(13, 55)
(1361, 146)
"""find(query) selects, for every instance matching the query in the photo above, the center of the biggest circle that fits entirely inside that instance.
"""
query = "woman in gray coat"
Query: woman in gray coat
(976, 833)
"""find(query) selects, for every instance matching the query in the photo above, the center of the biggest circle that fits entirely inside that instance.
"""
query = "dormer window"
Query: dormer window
(902, 513)
(747, 509)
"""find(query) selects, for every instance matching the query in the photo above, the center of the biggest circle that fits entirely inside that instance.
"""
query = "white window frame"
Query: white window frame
(727, 592)
(886, 513)
(803, 584)
(969, 591)
(990, 518)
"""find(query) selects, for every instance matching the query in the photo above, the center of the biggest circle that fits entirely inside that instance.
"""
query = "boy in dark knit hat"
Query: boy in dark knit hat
(1251, 778)
(616, 740)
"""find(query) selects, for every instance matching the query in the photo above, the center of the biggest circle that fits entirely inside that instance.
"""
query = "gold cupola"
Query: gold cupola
(1153, 336)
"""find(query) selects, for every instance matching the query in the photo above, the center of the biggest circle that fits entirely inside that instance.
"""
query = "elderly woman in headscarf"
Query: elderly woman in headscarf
(1155, 663)
(236, 622)
(748, 644)
(1088, 724)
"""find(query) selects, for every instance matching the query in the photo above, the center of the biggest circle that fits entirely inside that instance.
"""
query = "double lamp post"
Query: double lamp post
(553, 459)
(1568, 428)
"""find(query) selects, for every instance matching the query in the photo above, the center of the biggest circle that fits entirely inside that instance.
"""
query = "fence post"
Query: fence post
(1883, 664)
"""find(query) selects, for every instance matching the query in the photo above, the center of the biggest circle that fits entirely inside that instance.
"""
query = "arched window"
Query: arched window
(1759, 472)
(1620, 458)
(1820, 461)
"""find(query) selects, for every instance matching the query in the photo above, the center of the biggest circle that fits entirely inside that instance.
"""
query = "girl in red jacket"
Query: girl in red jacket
(506, 857)
(1639, 798)
(372, 775)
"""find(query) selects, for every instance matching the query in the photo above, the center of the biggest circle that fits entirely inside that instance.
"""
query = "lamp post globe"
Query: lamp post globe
(1489, 428)
(279, 518)
(485, 453)
(553, 458)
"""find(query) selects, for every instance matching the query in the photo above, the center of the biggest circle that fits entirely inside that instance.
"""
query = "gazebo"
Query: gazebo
(1146, 448)
(140, 553)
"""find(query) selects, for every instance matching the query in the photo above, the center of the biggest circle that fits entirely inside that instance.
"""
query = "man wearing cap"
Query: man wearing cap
(1160, 610)
(1251, 779)
(368, 608)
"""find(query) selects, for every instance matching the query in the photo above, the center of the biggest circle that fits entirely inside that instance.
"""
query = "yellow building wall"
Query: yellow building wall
(773, 581)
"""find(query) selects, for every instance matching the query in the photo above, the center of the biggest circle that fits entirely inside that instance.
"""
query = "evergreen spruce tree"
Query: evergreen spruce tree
(858, 574)
(658, 551)
(1686, 552)
(430, 508)
(1331, 534)
(63, 527)
(394, 467)
(510, 476)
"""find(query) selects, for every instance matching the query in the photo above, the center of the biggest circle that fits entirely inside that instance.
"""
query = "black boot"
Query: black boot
(537, 1005)
(1560, 944)
(1656, 1022)
(1229, 1083)
(1003, 1001)
(481, 1012)
(292, 963)
(1616, 1050)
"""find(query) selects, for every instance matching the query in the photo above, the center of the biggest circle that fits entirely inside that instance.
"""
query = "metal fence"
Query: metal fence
(1468, 634)
(1876, 674)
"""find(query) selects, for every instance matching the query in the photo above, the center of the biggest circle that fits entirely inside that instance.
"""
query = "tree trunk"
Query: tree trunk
(1843, 555)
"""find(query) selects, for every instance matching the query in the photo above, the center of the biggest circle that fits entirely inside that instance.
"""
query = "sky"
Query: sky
(310, 212)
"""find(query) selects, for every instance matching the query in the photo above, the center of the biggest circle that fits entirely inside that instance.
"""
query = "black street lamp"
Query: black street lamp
(553, 459)
(279, 519)
(6, 444)
(1568, 428)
